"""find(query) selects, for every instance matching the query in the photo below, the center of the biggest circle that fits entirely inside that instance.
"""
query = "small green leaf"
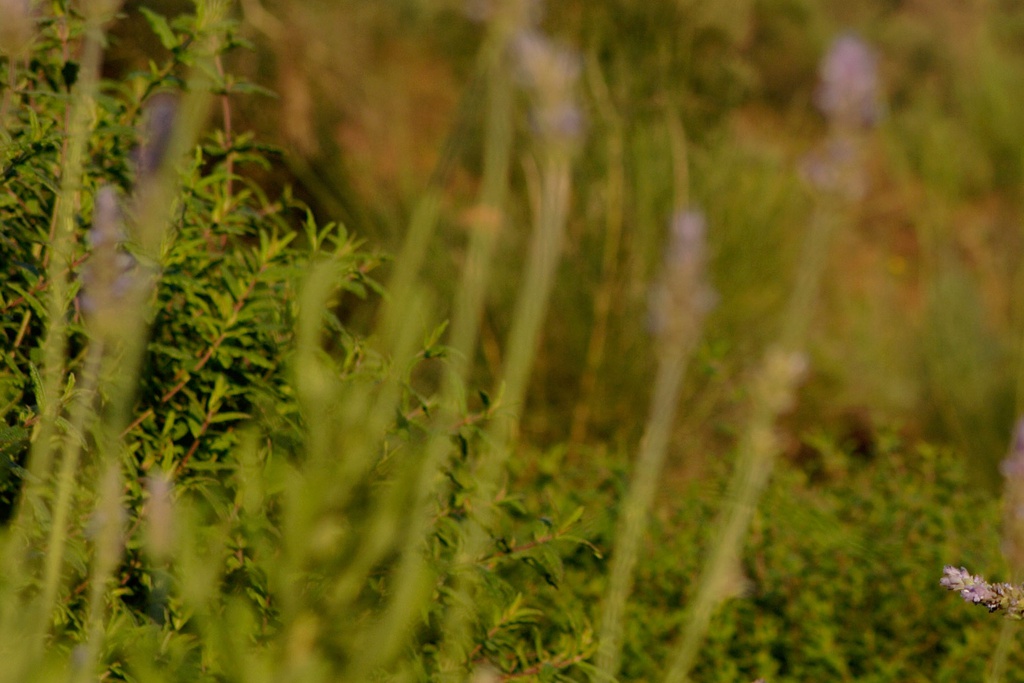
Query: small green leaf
(161, 28)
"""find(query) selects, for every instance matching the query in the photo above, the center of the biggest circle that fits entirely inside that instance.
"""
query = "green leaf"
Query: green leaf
(161, 28)
(37, 387)
(13, 440)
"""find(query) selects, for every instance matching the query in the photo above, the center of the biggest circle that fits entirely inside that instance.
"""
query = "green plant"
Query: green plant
(225, 481)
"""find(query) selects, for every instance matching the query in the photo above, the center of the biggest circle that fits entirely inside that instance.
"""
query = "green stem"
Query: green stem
(531, 308)
(774, 385)
(411, 578)
(637, 506)
(59, 259)
(66, 483)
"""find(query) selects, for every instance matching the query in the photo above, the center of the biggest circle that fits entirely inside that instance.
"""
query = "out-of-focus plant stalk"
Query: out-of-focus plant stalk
(848, 97)
(17, 32)
(549, 73)
(68, 201)
(487, 218)
(680, 303)
(1012, 469)
(46, 439)
(385, 638)
(531, 308)
(721, 578)
(116, 304)
(605, 293)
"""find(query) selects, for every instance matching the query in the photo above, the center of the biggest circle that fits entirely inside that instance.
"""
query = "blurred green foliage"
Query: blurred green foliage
(299, 440)
(838, 580)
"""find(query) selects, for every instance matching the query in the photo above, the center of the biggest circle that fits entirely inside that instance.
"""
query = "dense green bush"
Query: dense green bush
(283, 513)
(832, 583)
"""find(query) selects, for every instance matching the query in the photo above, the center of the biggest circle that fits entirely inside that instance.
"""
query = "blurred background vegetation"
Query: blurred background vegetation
(922, 322)
(915, 351)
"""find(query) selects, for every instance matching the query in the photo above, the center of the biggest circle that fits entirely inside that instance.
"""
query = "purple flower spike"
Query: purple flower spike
(550, 73)
(848, 90)
(995, 597)
(1012, 469)
(161, 112)
(109, 277)
(682, 296)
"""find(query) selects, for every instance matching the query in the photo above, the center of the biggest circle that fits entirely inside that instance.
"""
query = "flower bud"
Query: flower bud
(159, 513)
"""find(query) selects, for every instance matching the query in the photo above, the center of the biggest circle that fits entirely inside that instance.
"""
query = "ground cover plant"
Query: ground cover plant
(245, 441)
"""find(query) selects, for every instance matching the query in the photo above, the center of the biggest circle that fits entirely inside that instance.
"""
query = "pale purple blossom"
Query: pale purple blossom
(549, 72)
(110, 274)
(848, 96)
(836, 166)
(1013, 466)
(161, 111)
(1012, 469)
(682, 296)
(996, 597)
(848, 91)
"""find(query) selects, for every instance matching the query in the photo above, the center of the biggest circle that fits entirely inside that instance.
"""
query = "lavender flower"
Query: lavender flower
(848, 97)
(683, 296)
(109, 276)
(848, 91)
(550, 73)
(160, 516)
(996, 597)
(161, 112)
(1012, 469)
(836, 167)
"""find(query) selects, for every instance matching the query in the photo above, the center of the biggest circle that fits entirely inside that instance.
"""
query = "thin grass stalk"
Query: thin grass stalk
(399, 306)
(636, 508)
(1012, 542)
(82, 100)
(532, 304)
(774, 384)
(678, 308)
(488, 220)
(721, 578)
(995, 672)
(605, 294)
(109, 520)
(356, 428)
(153, 201)
(66, 483)
(848, 97)
(530, 311)
(411, 580)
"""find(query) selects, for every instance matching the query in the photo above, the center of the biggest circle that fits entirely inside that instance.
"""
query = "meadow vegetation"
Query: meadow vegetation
(503, 339)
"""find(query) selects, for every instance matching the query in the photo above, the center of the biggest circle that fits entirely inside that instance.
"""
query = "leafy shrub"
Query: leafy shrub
(839, 580)
(271, 491)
